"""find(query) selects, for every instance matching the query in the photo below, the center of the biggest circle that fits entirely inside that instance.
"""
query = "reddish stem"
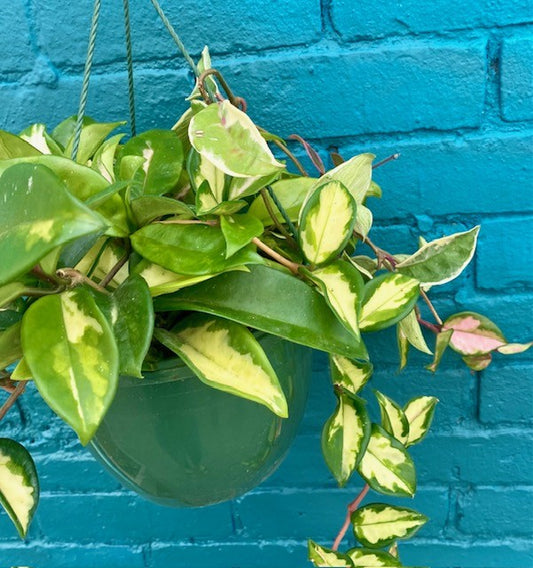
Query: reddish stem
(434, 328)
(351, 508)
(19, 389)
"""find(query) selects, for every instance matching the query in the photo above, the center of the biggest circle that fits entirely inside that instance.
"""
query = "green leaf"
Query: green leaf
(419, 412)
(290, 193)
(203, 64)
(21, 372)
(410, 327)
(38, 214)
(272, 301)
(377, 525)
(322, 556)
(477, 362)
(229, 139)
(386, 465)
(162, 161)
(441, 343)
(368, 558)
(244, 187)
(72, 354)
(92, 136)
(8, 318)
(38, 137)
(374, 190)
(226, 356)
(10, 347)
(201, 170)
(11, 146)
(387, 300)
(342, 286)
(441, 260)
(355, 174)
(326, 222)
(19, 484)
(104, 158)
(239, 231)
(179, 248)
(150, 207)
(10, 292)
(403, 347)
(350, 375)
(363, 220)
(393, 418)
(130, 312)
(345, 436)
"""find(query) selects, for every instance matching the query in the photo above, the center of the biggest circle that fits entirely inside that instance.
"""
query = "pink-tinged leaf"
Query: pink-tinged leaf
(513, 348)
(478, 362)
(311, 152)
(473, 334)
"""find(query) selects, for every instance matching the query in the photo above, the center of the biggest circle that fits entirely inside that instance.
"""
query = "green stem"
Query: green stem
(290, 240)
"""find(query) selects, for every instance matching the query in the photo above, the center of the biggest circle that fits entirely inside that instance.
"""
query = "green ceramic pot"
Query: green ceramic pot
(178, 442)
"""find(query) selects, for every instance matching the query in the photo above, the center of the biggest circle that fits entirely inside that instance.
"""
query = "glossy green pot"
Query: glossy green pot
(178, 442)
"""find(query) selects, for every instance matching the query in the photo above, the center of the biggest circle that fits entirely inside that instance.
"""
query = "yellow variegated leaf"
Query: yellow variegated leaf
(419, 413)
(441, 343)
(393, 418)
(368, 558)
(350, 375)
(386, 465)
(411, 329)
(345, 436)
(326, 222)
(355, 174)
(226, 356)
(19, 484)
(363, 220)
(324, 557)
(377, 525)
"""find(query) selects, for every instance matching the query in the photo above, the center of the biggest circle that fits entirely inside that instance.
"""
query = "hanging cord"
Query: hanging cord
(129, 58)
(86, 76)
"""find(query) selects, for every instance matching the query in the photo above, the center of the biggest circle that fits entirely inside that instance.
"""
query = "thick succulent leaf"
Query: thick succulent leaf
(162, 161)
(10, 346)
(272, 301)
(10, 292)
(345, 436)
(377, 525)
(104, 159)
(374, 190)
(92, 137)
(473, 334)
(322, 556)
(350, 375)
(386, 466)
(342, 286)
(514, 348)
(441, 344)
(72, 354)
(201, 170)
(8, 318)
(355, 174)
(367, 266)
(290, 193)
(150, 207)
(239, 231)
(478, 362)
(189, 249)
(229, 139)
(410, 327)
(38, 137)
(441, 260)
(21, 372)
(363, 220)
(12, 146)
(387, 300)
(225, 355)
(393, 418)
(403, 347)
(419, 412)
(368, 558)
(19, 484)
(130, 312)
(38, 214)
(326, 222)
(244, 187)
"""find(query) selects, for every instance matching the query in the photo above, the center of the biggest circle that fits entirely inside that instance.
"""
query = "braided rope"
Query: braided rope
(129, 57)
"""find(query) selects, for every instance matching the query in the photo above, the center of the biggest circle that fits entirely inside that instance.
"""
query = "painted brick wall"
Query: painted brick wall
(447, 83)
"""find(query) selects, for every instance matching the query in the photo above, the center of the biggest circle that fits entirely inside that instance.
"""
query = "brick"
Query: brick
(497, 512)
(506, 394)
(115, 518)
(505, 253)
(517, 79)
(358, 21)
(15, 42)
(342, 94)
(232, 27)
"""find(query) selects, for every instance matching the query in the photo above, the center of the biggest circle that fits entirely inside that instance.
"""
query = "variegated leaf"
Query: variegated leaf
(19, 484)
(386, 465)
(473, 334)
(355, 174)
(345, 436)
(244, 187)
(411, 329)
(229, 139)
(419, 413)
(326, 222)
(368, 558)
(403, 347)
(441, 344)
(38, 137)
(363, 220)
(324, 557)
(226, 356)
(71, 352)
(203, 64)
(349, 374)
(477, 362)
(92, 136)
(387, 299)
(342, 286)
(367, 266)
(104, 159)
(441, 260)
(514, 348)
(393, 418)
(13, 146)
(378, 525)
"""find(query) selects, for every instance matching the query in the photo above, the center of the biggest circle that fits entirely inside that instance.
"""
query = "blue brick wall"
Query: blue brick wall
(447, 83)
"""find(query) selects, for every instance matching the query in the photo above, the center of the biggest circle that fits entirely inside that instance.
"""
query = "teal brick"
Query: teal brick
(517, 79)
(506, 394)
(15, 41)
(361, 20)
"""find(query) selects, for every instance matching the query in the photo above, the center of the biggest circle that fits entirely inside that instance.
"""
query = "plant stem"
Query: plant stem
(292, 266)
(211, 222)
(19, 389)
(386, 160)
(430, 306)
(112, 273)
(292, 157)
(434, 328)
(75, 278)
(264, 194)
(381, 254)
(48, 278)
(351, 508)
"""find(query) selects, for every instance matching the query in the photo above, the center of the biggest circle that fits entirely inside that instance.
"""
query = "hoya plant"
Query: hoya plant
(117, 253)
